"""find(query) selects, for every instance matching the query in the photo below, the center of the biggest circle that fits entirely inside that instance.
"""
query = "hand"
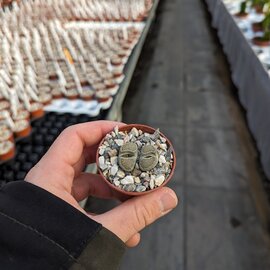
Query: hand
(60, 173)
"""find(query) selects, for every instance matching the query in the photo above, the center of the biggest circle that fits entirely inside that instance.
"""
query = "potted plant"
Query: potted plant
(258, 5)
(243, 10)
(264, 40)
(258, 26)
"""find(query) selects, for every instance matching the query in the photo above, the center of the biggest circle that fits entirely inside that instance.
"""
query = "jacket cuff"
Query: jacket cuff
(85, 241)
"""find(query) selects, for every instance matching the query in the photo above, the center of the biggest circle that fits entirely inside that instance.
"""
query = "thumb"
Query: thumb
(127, 219)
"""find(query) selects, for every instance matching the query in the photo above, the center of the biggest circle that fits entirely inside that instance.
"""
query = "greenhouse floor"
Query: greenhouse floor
(182, 85)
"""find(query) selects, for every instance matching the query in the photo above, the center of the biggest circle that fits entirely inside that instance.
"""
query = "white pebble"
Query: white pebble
(126, 139)
(114, 170)
(163, 146)
(105, 173)
(137, 180)
(101, 161)
(116, 183)
(119, 142)
(159, 180)
(112, 153)
(162, 160)
(143, 175)
(135, 132)
(121, 174)
(163, 139)
(113, 160)
(152, 184)
(139, 143)
(116, 130)
(127, 180)
(101, 151)
(140, 188)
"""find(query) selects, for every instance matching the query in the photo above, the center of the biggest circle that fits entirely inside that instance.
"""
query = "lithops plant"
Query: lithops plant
(127, 156)
(148, 158)
(136, 159)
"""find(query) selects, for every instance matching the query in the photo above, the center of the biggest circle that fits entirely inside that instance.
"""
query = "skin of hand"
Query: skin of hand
(60, 172)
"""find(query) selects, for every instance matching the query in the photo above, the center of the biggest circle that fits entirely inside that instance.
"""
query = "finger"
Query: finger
(90, 184)
(70, 144)
(65, 157)
(134, 240)
(135, 214)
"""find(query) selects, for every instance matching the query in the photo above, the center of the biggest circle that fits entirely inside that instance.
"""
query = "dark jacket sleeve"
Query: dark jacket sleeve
(40, 231)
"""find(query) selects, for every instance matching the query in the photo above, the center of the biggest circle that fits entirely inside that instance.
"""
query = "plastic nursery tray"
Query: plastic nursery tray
(29, 150)
(105, 25)
(91, 108)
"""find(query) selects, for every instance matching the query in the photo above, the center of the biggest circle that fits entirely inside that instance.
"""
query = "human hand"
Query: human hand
(60, 172)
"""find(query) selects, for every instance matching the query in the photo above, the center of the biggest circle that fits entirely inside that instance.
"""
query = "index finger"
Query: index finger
(69, 146)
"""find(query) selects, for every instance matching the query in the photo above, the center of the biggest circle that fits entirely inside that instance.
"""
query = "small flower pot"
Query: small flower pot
(117, 73)
(53, 77)
(87, 95)
(145, 129)
(57, 94)
(7, 150)
(102, 96)
(72, 94)
(22, 115)
(241, 15)
(45, 98)
(117, 61)
(22, 129)
(4, 105)
(259, 41)
(6, 134)
(36, 110)
(257, 27)
(110, 84)
(258, 8)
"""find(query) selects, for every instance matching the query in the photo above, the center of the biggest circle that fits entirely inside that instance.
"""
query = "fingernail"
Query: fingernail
(168, 202)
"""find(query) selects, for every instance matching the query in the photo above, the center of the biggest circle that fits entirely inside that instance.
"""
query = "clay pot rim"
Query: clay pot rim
(241, 15)
(259, 42)
(147, 129)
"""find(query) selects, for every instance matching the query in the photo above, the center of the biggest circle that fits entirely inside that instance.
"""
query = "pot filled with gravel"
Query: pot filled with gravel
(135, 159)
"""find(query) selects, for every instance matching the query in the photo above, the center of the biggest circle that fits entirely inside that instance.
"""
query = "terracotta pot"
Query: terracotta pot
(57, 94)
(6, 135)
(72, 95)
(22, 115)
(53, 77)
(38, 112)
(103, 99)
(241, 15)
(24, 132)
(257, 27)
(260, 42)
(258, 8)
(149, 130)
(87, 95)
(10, 153)
(116, 62)
(110, 84)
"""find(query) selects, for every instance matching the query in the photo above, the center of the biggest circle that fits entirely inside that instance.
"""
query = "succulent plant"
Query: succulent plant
(243, 7)
(266, 26)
